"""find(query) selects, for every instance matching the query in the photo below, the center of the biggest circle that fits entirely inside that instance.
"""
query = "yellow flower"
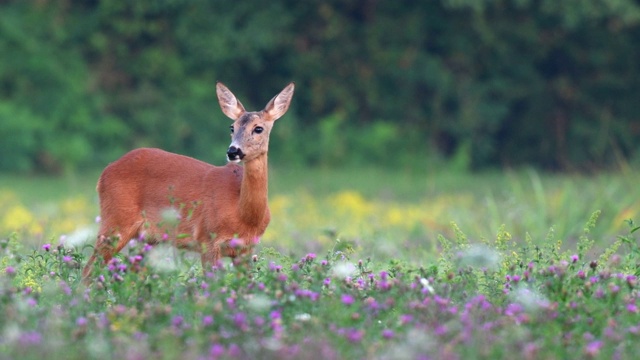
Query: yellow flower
(19, 217)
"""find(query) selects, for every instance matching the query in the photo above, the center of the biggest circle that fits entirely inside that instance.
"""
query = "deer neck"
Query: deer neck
(253, 191)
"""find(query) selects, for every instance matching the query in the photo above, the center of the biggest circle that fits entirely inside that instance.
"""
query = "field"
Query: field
(357, 263)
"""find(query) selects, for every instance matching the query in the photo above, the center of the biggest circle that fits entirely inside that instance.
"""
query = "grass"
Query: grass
(360, 263)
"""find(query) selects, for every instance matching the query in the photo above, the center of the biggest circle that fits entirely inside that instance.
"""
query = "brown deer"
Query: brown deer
(213, 204)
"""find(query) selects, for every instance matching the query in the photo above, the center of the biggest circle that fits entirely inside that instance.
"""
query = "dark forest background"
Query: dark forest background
(470, 84)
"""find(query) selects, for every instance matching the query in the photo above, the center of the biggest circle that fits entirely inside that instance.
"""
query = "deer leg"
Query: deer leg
(210, 255)
(106, 250)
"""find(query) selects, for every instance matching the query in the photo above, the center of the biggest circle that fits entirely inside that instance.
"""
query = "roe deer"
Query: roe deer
(214, 204)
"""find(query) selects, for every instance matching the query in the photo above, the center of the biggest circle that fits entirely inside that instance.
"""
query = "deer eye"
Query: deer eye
(231, 128)
(258, 129)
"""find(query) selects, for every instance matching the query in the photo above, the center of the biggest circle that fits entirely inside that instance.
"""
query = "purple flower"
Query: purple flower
(216, 351)
(405, 318)
(310, 256)
(46, 247)
(235, 242)
(10, 270)
(355, 335)
(207, 320)
(66, 258)
(30, 338)
(574, 258)
(387, 333)
(177, 321)
(326, 282)
(593, 348)
(632, 308)
(81, 321)
(347, 299)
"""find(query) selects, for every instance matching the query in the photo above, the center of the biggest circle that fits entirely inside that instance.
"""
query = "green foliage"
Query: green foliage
(485, 83)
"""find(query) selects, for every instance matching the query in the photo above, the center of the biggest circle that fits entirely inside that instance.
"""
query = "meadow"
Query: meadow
(357, 263)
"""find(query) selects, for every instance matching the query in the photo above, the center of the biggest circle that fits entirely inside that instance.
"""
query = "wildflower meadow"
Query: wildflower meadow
(362, 265)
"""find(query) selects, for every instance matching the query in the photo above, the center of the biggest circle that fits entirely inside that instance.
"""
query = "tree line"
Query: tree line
(473, 83)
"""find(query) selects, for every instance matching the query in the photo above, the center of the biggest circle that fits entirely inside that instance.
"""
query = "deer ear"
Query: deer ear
(280, 103)
(228, 103)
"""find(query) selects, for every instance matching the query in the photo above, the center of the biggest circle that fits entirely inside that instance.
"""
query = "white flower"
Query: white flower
(79, 237)
(170, 216)
(163, 258)
(303, 317)
(344, 270)
(480, 256)
(426, 285)
(528, 298)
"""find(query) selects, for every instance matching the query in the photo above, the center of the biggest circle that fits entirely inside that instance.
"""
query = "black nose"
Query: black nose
(234, 153)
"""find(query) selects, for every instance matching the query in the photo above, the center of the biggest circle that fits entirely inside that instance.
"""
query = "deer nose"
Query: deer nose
(234, 154)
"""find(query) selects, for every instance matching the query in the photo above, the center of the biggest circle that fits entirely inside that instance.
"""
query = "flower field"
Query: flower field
(513, 266)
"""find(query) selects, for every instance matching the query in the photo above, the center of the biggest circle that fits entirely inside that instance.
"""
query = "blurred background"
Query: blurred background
(468, 84)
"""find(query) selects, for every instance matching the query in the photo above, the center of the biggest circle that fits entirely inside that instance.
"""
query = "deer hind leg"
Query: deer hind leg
(106, 249)
(210, 254)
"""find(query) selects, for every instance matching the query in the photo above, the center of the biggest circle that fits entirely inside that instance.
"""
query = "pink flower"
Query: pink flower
(235, 242)
(46, 247)
(593, 348)
(347, 299)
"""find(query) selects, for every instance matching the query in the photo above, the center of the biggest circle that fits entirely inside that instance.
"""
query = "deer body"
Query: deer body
(213, 204)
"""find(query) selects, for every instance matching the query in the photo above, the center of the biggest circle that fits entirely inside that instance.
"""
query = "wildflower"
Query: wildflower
(405, 319)
(480, 256)
(347, 299)
(303, 317)
(574, 258)
(235, 242)
(207, 320)
(387, 333)
(170, 216)
(67, 258)
(593, 348)
(632, 308)
(30, 338)
(216, 351)
(343, 270)
(46, 247)
(177, 321)
(383, 275)
(581, 275)
(10, 270)
(326, 282)
(310, 256)
(355, 335)
(81, 321)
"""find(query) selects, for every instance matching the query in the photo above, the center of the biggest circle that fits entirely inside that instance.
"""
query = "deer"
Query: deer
(222, 211)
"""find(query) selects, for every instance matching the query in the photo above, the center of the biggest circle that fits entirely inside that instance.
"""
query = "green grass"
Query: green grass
(357, 263)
